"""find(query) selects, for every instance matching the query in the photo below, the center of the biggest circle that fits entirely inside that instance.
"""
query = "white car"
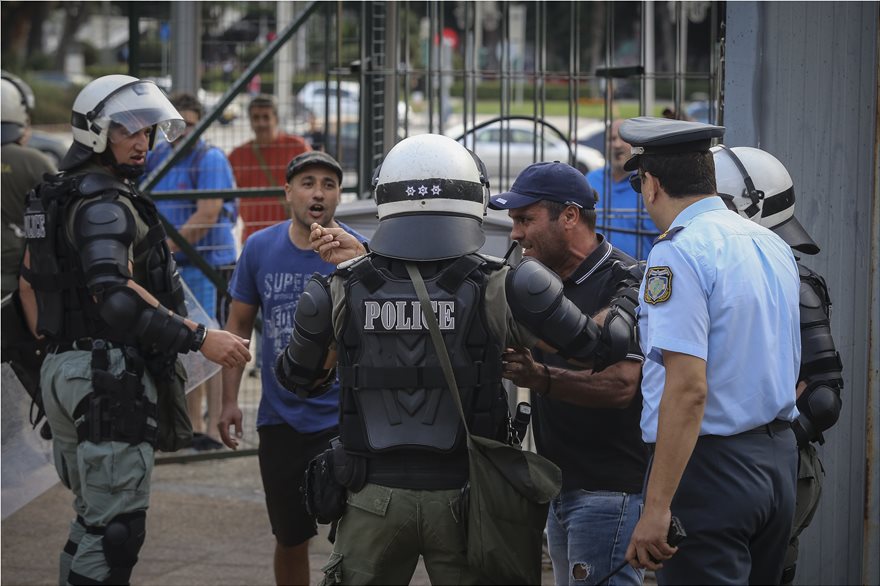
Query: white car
(516, 144)
(314, 95)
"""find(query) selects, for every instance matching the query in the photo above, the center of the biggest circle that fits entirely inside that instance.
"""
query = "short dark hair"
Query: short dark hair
(555, 209)
(263, 101)
(682, 174)
(184, 101)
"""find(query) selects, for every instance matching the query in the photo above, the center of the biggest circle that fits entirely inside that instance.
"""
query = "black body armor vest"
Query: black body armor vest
(394, 398)
(67, 310)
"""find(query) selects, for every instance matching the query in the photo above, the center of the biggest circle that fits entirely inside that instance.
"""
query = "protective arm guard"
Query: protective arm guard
(534, 294)
(103, 231)
(620, 332)
(302, 362)
(156, 328)
(821, 368)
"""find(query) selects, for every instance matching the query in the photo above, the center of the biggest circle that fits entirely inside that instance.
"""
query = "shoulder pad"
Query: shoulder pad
(813, 287)
(110, 220)
(94, 183)
(804, 271)
(669, 234)
(350, 262)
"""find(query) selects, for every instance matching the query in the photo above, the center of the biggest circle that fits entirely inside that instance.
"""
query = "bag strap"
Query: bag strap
(259, 155)
(437, 338)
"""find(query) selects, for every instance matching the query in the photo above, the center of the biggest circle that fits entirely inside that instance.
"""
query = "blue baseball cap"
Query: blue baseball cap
(553, 181)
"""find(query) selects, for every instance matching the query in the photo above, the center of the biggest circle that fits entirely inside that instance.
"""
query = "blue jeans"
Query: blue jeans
(588, 533)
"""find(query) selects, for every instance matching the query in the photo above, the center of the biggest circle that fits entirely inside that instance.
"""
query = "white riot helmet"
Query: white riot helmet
(431, 193)
(16, 103)
(758, 187)
(121, 99)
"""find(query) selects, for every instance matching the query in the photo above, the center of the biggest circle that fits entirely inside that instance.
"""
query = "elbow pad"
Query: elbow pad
(534, 294)
(619, 332)
(156, 328)
(819, 408)
(302, 362)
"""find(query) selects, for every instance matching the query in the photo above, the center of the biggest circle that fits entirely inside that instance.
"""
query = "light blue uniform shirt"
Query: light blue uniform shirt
(726, 290)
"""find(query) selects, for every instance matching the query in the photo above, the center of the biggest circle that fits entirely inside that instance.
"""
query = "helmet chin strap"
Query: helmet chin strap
(123, 170)
(755, 195)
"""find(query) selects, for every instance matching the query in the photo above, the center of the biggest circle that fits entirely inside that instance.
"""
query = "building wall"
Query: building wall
(801, 81)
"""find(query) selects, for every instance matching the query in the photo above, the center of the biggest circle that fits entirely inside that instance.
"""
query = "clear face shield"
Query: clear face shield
(137, 106)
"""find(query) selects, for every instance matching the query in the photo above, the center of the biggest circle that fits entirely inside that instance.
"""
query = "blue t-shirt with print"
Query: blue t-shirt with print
(618, 217)
(204, 167)
(272, 273)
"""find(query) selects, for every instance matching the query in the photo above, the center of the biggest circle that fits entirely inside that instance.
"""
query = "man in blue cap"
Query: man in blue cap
(719, 328)
(586, 422)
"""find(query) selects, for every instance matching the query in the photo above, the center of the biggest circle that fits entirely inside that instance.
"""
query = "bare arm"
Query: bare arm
(28, 297)
(203, 219)
(681, 413)
(221, 347)
(240, 322)
(613, 388)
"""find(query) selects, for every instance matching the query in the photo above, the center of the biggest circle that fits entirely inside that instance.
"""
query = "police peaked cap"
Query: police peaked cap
(662, 136)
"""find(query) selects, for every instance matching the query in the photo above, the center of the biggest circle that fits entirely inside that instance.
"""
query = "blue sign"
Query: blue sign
(164, 31)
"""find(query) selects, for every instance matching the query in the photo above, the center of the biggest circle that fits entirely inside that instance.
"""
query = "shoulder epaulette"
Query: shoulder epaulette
(348, 263)
(494, 262)
(669, 234)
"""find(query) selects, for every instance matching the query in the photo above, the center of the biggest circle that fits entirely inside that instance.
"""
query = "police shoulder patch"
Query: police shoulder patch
(658, 284)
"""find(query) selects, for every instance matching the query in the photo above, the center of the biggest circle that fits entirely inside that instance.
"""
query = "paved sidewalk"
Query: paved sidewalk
(206, 525)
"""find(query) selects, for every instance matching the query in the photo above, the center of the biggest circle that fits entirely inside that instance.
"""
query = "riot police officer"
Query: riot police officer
(758, 187)
(405, 460)
(99, 283)
(23, 168)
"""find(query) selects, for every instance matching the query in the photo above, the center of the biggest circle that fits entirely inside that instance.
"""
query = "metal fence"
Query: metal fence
(518, 82)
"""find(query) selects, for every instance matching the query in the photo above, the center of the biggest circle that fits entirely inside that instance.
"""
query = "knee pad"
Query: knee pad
(123, 538)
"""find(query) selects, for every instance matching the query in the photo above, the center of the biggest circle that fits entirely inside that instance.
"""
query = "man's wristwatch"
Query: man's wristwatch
(199, 336)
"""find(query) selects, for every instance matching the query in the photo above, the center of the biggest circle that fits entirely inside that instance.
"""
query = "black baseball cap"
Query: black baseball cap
(307, 159)
(552, 181)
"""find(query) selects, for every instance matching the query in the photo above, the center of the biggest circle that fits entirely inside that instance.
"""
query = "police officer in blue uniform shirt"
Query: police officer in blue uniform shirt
(719, 326)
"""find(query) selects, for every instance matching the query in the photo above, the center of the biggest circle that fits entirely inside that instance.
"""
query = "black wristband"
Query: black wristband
(199, 335)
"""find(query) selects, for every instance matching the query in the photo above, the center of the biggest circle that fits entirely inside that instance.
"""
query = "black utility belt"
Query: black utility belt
(82, 344)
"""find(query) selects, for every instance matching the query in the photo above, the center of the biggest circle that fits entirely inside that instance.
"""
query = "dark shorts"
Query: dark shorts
(284, 454)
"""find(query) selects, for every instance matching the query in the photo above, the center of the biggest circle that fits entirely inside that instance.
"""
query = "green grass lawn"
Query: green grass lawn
(627, 109)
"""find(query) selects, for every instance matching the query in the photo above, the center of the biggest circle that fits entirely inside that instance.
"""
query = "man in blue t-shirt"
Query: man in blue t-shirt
(622, 216)
(207, 225)
(271, 273)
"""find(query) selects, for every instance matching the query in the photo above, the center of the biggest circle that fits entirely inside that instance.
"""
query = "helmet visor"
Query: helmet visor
(142, 105)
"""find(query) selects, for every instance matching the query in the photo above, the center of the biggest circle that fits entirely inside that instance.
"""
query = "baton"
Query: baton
(675, 536)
